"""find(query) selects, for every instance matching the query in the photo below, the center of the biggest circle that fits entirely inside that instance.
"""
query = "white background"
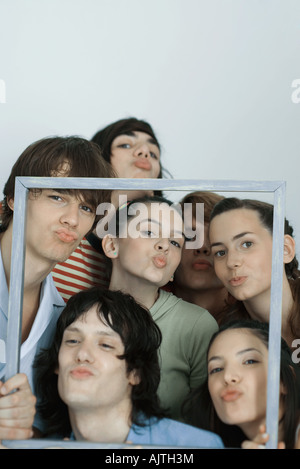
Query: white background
(213, 77)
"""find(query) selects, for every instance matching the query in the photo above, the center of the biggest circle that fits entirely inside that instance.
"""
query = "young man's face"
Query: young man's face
(56, 223)
(90, 374)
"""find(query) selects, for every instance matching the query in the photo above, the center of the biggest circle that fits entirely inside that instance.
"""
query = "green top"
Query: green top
(186, 331)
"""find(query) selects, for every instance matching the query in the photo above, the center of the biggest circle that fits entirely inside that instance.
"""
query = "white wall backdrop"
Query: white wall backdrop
(213, 77)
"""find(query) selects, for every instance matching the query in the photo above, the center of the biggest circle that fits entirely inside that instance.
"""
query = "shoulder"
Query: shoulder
(169, 300)
(178, 433)
(196, 313)
(187, 315)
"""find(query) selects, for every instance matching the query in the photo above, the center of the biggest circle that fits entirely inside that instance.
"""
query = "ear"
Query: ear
(110, 246)
(134, 378)
(289, 249)
(10, 203)
(282, 389)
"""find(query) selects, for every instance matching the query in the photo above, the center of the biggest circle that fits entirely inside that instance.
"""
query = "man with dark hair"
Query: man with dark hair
(98, 381)
(57, 220)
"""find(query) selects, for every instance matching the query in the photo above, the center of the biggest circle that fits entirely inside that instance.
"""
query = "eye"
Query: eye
(148, 230)
(85, 208)
(124, 145)
(72, 341)
(147, 234)
(247, 244)
(250, 361)
(220, 253)
(190, 238)
(217, 369)
(106, 346)
(55, 197)
(153, 155)
(175, 243)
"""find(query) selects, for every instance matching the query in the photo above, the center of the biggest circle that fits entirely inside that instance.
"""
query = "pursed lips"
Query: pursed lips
(201, 264)
(237, 280)
(66, 236)
(230, 395)
(81, 372)
(159, 261)
(143, 164)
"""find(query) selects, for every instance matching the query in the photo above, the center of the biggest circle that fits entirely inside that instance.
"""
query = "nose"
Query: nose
(162, 245)
(70, 216)
(84, 354)
(142, 150)
(231, 376)
(234, 259)
(205, 249)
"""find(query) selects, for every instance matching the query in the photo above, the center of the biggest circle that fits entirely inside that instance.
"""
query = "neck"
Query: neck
(142, 291)
(211, 299)
(35, 271)
(259, 308)
(101, 425)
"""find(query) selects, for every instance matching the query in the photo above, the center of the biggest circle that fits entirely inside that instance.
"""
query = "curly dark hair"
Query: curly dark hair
(141, 338)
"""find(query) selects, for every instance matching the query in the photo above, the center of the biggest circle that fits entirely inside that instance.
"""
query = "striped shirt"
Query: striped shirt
(85, 268)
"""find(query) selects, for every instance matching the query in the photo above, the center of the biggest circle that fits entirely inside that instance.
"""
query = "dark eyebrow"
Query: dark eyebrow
(216, 357)
(150, 220)
(238, 236)
(72, 329)
(74, 192)
(130, 133)
(241, 235)
(250, 349)
(104, 333)
(240, 352)
(60, 191)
